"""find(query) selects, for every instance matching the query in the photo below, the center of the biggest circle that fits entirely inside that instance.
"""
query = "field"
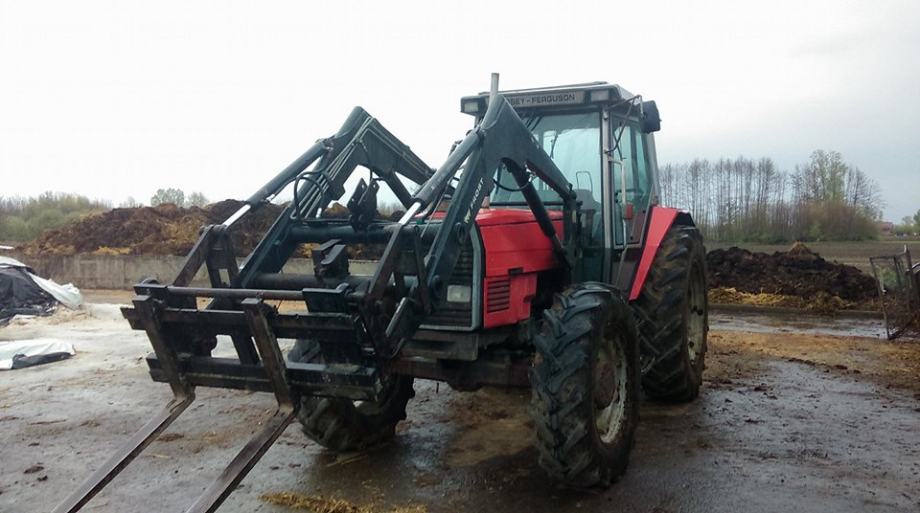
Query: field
(851, 253)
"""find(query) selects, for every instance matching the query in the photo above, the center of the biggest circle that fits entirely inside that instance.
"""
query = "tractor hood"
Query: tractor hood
(496, 216)
(500, 216)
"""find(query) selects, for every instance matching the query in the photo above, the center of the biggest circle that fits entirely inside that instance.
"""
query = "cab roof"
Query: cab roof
(564, 96)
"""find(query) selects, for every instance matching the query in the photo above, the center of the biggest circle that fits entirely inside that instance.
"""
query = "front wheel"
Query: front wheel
(342, 424)
(585, 383)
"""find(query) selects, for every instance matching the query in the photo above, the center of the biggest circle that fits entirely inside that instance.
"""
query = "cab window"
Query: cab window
(573, 142)
(631, 154)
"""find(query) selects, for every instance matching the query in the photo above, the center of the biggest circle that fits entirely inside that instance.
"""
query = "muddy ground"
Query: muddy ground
(791, 420)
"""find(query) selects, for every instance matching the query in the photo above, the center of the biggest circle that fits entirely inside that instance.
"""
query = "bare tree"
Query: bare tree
(196, 199)
(746, 199)
(170, 195)
(129, 202)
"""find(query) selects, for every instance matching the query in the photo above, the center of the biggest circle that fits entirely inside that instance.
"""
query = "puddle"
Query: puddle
(796, 324)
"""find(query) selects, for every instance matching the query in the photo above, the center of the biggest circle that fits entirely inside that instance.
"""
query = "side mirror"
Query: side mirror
(651, 121)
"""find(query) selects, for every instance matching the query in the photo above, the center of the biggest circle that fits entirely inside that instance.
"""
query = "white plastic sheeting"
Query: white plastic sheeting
(10, 262)
(67, 294)
(24, 353)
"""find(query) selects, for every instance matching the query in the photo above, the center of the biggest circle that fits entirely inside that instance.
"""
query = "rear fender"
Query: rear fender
(661, 220)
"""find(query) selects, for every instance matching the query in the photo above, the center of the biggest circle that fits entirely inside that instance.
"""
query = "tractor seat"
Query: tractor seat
(591, 209)
(587, 200)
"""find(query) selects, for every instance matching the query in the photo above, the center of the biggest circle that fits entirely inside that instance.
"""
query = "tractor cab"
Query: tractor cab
(600, 137)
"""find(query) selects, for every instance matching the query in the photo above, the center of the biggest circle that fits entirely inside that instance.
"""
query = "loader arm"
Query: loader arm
(361, 141)
(501, 139)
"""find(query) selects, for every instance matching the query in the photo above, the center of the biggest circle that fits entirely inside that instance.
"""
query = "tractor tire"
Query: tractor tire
(585, 380)
(672, 318)
(344, 425)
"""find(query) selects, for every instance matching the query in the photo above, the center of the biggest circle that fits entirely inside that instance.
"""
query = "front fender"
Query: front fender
(660, 222)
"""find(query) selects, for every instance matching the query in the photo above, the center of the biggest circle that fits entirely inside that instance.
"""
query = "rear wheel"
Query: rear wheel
(585, 383)
(673, 318)
(345, 425)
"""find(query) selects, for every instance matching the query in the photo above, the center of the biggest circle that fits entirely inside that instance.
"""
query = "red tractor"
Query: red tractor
(535, 256)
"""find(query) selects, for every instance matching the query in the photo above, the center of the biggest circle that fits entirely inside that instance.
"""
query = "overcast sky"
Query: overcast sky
(116, 99)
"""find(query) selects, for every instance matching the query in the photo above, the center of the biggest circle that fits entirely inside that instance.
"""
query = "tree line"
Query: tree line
(738, 200)
(748, 200)
(178, 198)
(909, 225)
(25, 218)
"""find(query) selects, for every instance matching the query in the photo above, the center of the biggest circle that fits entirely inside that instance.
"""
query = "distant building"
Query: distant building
(886, 228)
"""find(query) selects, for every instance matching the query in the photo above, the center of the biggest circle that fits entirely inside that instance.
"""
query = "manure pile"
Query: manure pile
(738, 275)
(162, 230)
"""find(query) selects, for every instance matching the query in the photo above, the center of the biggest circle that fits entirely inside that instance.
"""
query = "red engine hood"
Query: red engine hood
(494, 216)
(497, 216)
(515, 251)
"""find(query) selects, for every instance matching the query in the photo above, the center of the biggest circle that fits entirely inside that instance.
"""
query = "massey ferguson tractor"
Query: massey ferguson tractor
(536, 256)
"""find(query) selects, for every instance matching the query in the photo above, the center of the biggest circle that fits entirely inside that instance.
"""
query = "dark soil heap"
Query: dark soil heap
(162, 230)
(798, 272)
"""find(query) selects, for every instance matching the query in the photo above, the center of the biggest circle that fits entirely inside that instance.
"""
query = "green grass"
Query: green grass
(851, 253)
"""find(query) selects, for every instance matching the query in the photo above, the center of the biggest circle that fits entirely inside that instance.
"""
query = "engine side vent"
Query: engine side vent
(498, 294)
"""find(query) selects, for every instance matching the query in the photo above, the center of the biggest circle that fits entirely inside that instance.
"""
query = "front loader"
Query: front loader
(535, 256)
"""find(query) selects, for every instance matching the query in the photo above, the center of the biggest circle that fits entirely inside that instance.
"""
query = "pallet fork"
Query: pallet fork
(255, 311)
(260, 366)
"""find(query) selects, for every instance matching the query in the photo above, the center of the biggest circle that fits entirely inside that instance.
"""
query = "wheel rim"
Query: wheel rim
(696, 314)
(610, 376)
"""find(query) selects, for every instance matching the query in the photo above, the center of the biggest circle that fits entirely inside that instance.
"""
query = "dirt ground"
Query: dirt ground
(792, 417)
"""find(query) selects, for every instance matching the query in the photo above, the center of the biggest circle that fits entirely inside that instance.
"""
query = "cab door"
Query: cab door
(630, 157)
(630, 167)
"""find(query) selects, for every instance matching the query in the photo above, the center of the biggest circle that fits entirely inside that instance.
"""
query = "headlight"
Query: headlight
(459, 293)
(470, 106)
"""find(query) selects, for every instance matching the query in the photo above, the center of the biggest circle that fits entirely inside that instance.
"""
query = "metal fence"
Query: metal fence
(899, 296)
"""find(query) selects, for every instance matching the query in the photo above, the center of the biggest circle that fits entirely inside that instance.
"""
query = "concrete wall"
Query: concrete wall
(122, 272)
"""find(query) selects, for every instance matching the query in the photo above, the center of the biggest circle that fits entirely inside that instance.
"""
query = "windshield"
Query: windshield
(573, 141)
